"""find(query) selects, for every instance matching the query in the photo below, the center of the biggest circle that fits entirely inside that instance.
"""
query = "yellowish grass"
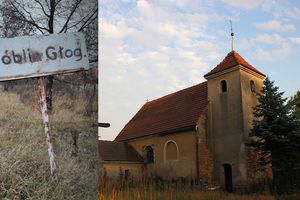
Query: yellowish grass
(24, 161)
(138, 194)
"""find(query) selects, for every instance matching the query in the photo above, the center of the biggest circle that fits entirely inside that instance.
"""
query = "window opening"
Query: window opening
(149, 154)
(223, 86)
(252, 86)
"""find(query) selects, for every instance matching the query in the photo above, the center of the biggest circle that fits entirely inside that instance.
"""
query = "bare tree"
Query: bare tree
(11, 27)
(58, 16)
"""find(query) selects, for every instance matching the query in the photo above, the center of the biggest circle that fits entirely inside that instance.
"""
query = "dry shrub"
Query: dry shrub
(24, 161)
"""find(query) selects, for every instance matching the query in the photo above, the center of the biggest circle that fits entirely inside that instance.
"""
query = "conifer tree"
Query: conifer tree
(295, 103)
(275, 133)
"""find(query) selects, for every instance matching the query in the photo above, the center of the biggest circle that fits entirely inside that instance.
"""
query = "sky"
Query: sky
(149, 49)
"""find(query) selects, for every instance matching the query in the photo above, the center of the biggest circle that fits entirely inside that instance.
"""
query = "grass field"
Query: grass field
(148, 194)
(24, 161)
(115, 190)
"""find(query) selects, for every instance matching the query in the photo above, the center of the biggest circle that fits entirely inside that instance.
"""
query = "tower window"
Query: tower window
(252, 86)
(223, 86)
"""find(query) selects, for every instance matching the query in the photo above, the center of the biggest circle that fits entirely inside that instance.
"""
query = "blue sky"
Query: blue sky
(152, 48)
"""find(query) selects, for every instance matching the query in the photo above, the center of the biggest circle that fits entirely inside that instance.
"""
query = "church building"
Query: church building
(197, 132)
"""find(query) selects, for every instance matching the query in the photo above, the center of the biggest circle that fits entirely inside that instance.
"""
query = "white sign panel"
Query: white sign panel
(33, 56)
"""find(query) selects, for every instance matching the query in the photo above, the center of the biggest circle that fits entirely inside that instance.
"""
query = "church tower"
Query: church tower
(232, 93)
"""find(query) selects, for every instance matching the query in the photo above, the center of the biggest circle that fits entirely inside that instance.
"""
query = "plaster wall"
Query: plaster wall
(114, 169)
(226, 119)
(184, 166)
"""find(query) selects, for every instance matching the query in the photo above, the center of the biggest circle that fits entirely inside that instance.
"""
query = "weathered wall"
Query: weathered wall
(249, 100)
(184, 166)
(226, 124)
(114, 169)
(205, 156)
(230, 116)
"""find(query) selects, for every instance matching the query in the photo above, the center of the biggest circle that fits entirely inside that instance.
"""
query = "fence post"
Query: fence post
(47, 130)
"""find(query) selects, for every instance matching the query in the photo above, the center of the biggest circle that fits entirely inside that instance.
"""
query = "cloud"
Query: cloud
(149, 51)
(271, 47)
(293, 12)
(279, 53)
(245, 4)
(295, 40)
(275, 25)
(270, 39)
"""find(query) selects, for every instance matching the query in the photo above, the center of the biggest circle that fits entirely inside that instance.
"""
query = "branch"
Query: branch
(24, 19)
(37, 1)
(57, 2)
(71, 14)
(47, 4)
(83, 19)
(89, 20)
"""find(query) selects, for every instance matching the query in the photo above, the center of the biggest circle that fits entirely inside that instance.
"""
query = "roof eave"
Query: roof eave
(216, 74)
(185, 128)
(233, 68)
(120, 162)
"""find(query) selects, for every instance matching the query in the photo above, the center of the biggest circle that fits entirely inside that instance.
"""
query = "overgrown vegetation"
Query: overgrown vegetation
(153, 189)
(24, 161)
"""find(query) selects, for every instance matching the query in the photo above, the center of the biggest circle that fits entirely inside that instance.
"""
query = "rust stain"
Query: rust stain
(45, 116)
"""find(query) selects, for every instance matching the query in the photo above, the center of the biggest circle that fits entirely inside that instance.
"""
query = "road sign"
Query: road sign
(34, 56)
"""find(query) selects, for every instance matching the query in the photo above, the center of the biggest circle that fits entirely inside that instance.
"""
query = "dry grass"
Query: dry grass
(24, 161)
(148, 194)
(150, 190)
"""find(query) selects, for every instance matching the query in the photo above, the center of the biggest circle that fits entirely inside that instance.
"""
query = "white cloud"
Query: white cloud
(261, 54)
(246, 4)
(295, 40)
(281, 52)
(270, 39)
(275, 25)
(293, 13)
(148, 52)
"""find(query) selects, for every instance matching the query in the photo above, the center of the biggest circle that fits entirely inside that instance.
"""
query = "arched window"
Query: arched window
(223, 86)
(149, 154)
(252, 86)
(171, 150)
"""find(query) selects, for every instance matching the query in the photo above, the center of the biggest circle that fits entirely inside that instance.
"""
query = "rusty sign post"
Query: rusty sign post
(39, 56)
(47, 130)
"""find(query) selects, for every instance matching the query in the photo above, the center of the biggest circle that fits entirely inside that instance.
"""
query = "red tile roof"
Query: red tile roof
(176, 111)
(232, 59)
(117, 151)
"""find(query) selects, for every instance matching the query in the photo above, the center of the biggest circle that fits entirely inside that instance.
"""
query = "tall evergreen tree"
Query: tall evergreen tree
(274, 130)
(295, 104)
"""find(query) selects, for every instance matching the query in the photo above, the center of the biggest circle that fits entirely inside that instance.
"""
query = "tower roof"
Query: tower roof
(232, 59)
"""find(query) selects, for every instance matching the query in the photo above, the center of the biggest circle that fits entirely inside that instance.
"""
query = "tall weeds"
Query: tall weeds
(24, 161)
(154, 188)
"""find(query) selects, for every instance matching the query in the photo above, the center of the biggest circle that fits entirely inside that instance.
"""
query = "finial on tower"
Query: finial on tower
(232, 34)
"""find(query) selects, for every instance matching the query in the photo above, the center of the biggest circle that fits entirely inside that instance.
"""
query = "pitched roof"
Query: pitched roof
(170, 113)
(117, 151)
(232, 59)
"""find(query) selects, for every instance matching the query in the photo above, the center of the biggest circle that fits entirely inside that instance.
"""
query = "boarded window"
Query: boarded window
(171, 151)
(223, 86)
(149, 154)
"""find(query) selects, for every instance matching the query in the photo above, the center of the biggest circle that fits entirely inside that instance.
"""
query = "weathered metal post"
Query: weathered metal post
(47, 130)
